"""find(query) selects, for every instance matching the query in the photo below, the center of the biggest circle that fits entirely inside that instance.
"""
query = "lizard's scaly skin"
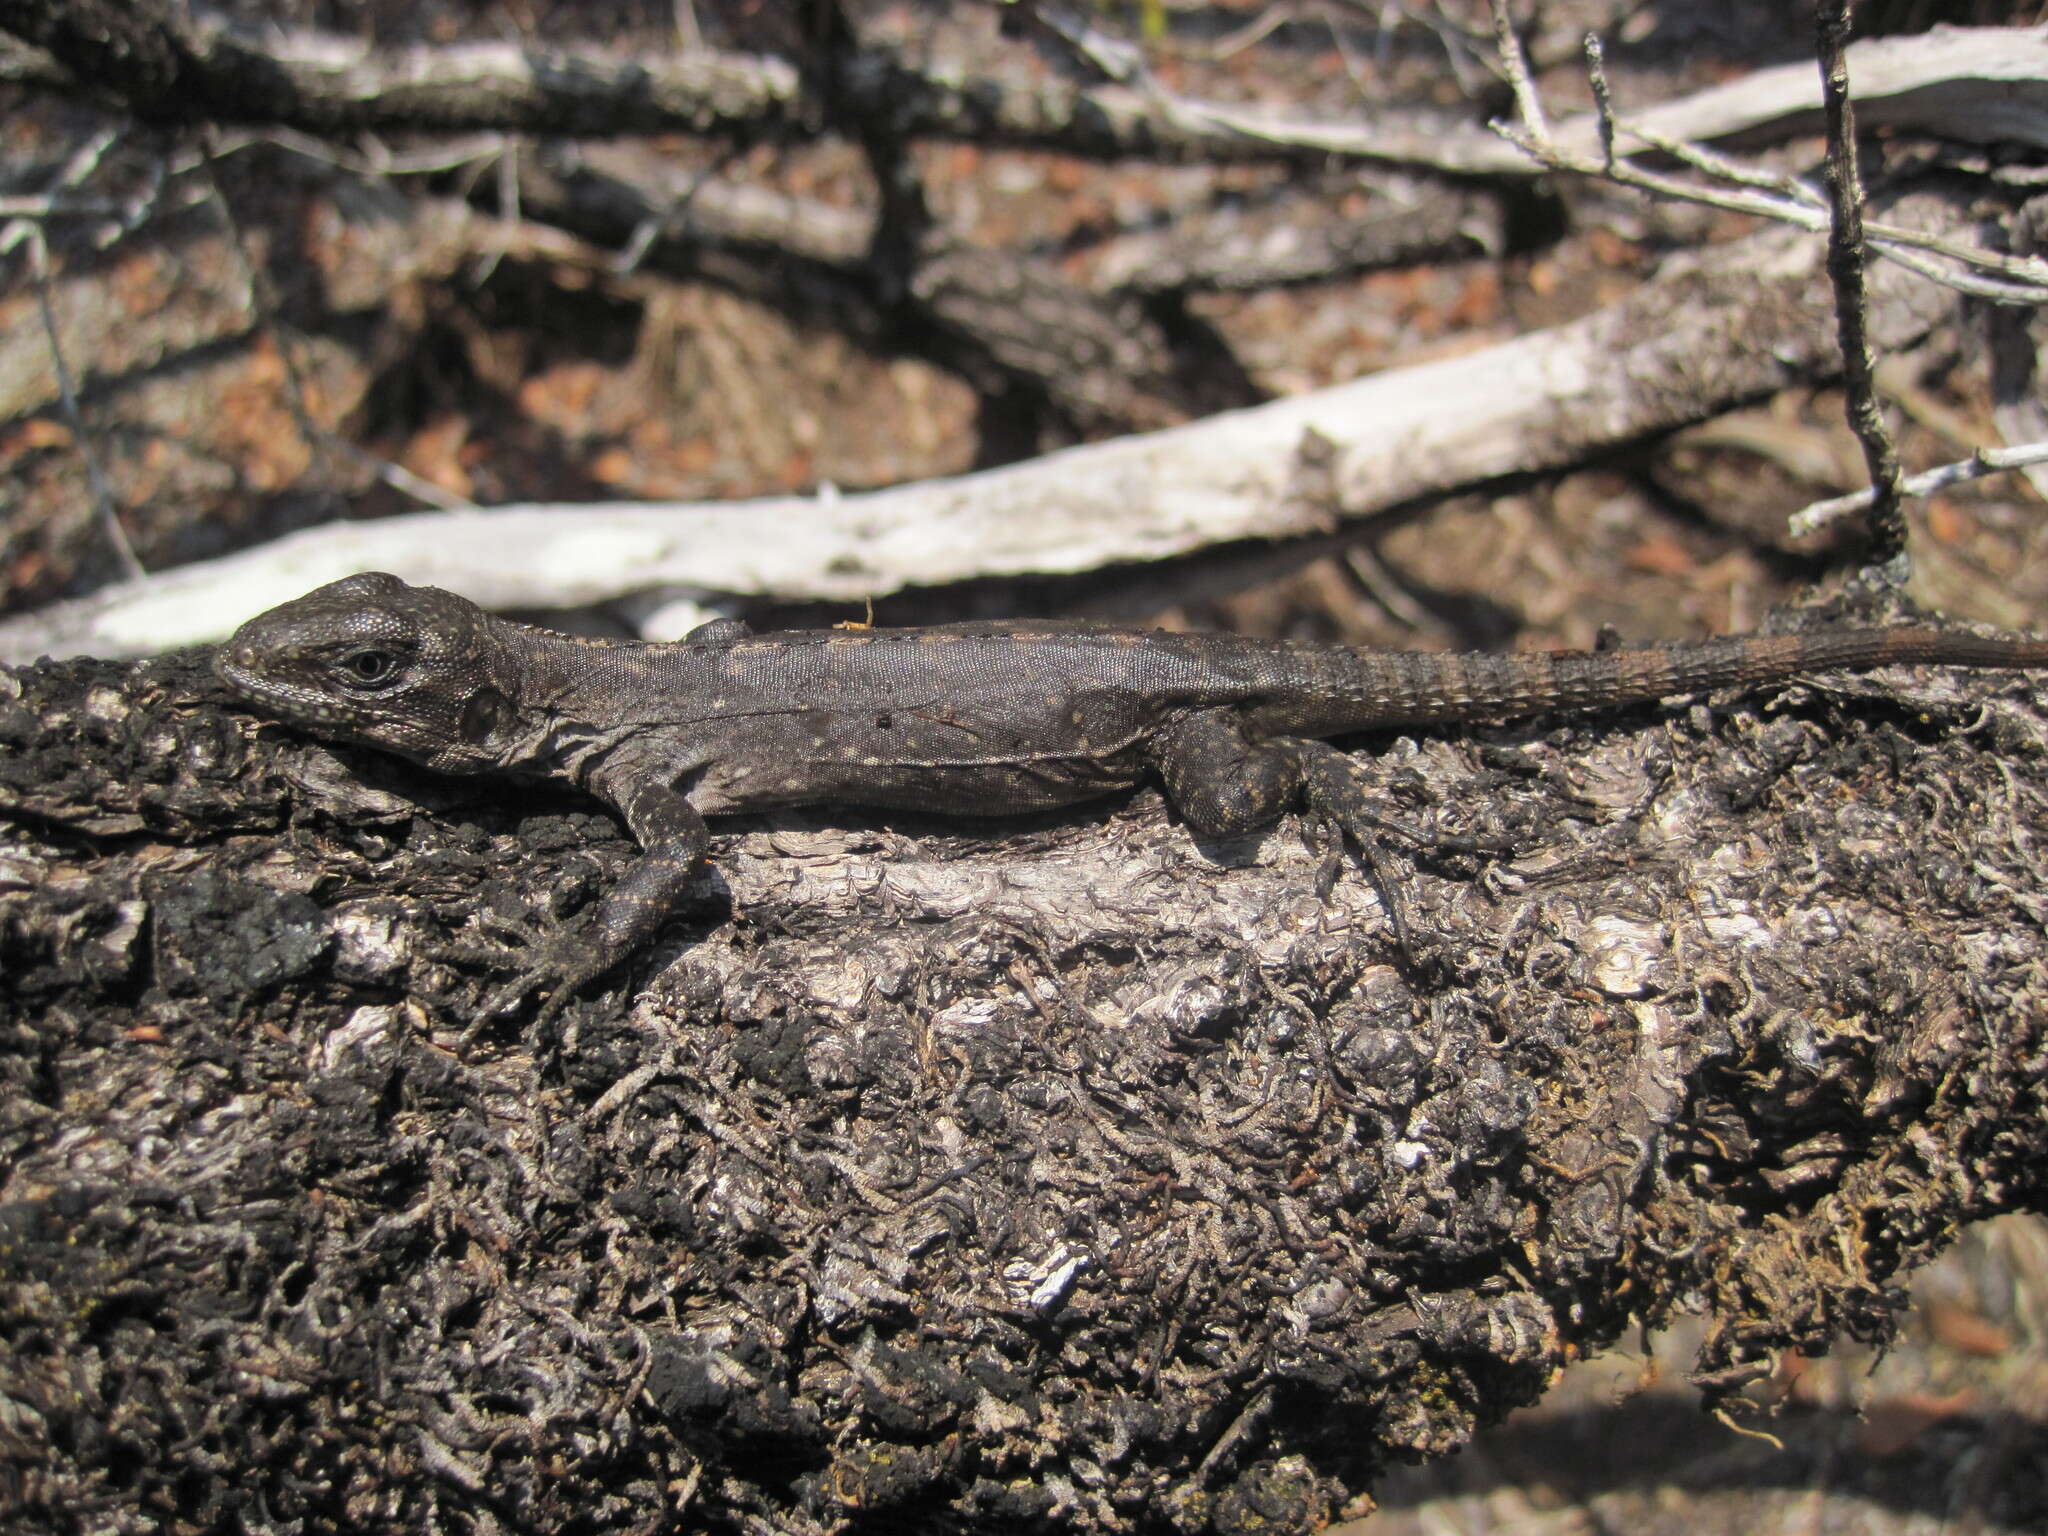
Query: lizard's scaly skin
(964, 719)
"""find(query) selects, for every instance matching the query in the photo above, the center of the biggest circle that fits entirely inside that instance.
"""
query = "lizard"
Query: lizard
(972, 719)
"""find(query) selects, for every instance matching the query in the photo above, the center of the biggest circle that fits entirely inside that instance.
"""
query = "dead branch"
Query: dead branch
(1728, 184)
(1984, 461)
(1070, 1176)
(147, 57)
(1292, 238)
(1997, 276)
(1976, 85)
(1735, 323)
(1846, 276)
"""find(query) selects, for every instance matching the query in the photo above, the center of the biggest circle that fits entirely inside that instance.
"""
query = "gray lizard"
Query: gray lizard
(986, 719)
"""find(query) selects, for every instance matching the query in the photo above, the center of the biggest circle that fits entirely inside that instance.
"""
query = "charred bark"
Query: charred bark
(1057, 1174)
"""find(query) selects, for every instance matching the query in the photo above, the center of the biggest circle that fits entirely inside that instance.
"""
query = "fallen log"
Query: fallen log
(1056, 1173)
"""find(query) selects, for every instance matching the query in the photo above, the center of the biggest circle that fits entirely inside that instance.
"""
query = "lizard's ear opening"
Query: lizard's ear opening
(484, 713)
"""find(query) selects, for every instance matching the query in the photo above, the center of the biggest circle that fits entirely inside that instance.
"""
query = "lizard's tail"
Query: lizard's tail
(1390, 688)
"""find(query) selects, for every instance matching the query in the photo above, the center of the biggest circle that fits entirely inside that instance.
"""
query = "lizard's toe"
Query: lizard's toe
(564, 968)
(506, 996)
(472, 956)
(561, 962)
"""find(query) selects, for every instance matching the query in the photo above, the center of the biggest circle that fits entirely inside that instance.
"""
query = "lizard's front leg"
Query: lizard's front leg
(673, 841)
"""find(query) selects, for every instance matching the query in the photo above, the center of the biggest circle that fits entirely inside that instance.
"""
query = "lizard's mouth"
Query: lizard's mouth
(236, 666)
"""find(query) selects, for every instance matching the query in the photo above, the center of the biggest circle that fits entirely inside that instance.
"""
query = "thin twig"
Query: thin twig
(82, 163)
(50, 207)
(507, 167)
(1603, 98)
(688, 34)
(2007, 279)
(67, 391)
(1257, 30)
(371, 157)
(1846, 272)
(1515, 65)
(1985, 461)
(1355, 69)
(25, 231)
(263, 302)
(1113, 58)
(1711, 162)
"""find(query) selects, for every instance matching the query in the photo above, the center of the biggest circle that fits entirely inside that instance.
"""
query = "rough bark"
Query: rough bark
(1059, 1174)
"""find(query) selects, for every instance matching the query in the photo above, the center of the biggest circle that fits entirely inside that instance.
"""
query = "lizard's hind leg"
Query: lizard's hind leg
(1225, 782)
(1221, 780)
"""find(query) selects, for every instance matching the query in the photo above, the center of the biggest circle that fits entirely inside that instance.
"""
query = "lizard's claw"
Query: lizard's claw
(510, 994)
(559, 961)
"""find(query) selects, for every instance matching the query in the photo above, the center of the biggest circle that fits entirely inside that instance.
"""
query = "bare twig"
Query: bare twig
(50, 207)
(1253, 32)
(263, 306)
(1887, 521)
(102, 493)
(23, 230)
(1995, 276)
(1515, 65)
(688, 33)
(1603, 97)
(1985, 461)
(83, 162)
(1728, 184)
(1113, 58)
(370, 156)
(1464, 47)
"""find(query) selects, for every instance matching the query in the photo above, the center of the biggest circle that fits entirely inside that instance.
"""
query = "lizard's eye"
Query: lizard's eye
(369, 666)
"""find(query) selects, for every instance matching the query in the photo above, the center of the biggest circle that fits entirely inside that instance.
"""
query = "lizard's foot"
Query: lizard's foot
(1362, 814)
(1334, 793)
(564, 981)
(563, 960)
(1344, 814)
(571, 955)
(1334, 833)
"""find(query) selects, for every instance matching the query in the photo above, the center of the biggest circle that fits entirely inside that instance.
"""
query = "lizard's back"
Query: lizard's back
(983, 718)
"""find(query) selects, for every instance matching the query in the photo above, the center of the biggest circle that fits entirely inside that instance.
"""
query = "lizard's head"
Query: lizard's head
(369, 658)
